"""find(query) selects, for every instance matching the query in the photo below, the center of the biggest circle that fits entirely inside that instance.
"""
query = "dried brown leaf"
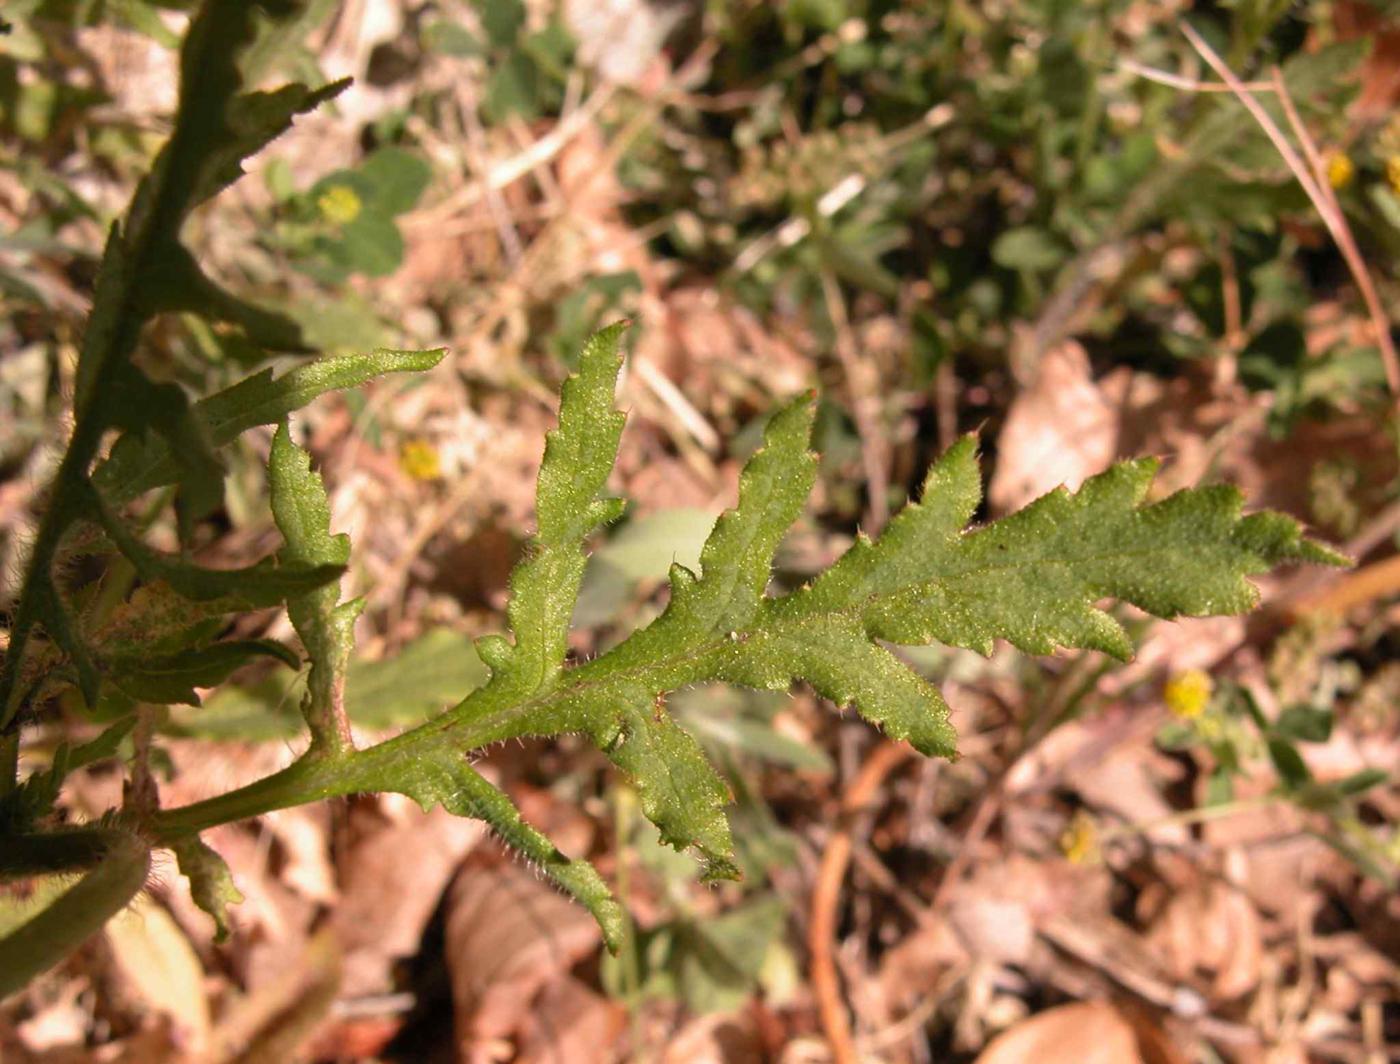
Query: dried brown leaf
(1211, 929)
(156, 965)
(386, 901)
(1088, 1032)
(1060, 430)
(570, 1024)
(508, 935)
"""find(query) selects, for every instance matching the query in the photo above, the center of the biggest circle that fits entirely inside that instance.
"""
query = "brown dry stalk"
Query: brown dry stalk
(826, 898)
(1313, 179)
(862, 381)
(1378, 580)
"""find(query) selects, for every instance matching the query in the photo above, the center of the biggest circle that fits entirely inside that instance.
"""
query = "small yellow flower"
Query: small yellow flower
(339, 204)
(1392, 173)
(1080, 840)
(1188, 693)
(419, 459)
(1340, 169)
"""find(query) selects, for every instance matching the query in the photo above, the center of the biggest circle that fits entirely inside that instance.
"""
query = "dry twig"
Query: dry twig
(1311, 175)
(862, 381)
(826, 897)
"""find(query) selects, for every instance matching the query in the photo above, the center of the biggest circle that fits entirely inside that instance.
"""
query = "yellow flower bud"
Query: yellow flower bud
(1392, 173)
(1340, 169)
(339, 204)
(1188, 693)
(1080, 840)
(419, 459)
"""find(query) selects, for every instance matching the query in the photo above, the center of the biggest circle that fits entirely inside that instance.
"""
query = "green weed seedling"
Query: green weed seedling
(1035, 578)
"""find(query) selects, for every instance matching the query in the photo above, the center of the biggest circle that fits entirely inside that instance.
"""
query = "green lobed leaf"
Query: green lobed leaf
(302, 512)
(680, 792)
(163, 410)
(216, 128)
(1036, 578)
(736, 561)
(837, 657)
(156, 619)
(180, 284)
(211, 882)
(252, 121)
(1033, 578)
(101, 747)
(445, 778)
(578, 459)
(262, 584)
(139, 463)
(25, 805)
(172, 678)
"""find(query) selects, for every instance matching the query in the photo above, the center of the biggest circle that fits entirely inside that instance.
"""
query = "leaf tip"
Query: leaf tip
(718, 869)
(495, 651)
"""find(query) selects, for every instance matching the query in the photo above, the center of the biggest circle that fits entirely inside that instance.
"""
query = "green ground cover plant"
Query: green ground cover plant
(150, 633)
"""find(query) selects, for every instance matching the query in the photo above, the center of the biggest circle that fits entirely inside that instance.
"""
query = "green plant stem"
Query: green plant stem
(66, 923)
(624, 806)
(38, 594)
(9, 762)
(488, 715)
(55, 851)
(132, 258)
(1201, 815)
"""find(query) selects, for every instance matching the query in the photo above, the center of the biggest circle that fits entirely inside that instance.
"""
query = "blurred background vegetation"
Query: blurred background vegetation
(1051, 223)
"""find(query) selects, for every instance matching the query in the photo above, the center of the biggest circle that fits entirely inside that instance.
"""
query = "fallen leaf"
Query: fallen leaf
(720, 1038)
(157, 965)
(387, 899)
(276, 1020)
(1110, 761)
(508, 936)
(570, 1024)
(995, 929)
(1088, 1032)
(1211, 928)
(305, 866)
(57, 1023)
(620, 39)
(1059, 430)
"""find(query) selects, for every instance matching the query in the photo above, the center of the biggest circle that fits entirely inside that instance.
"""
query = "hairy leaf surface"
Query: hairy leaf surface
(325, 624)
(1037, 579)
(141, 461)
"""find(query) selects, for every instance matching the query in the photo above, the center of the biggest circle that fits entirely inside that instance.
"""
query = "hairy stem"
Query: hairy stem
(55, 851)
(63, 926)
(485, 717)
(122, 306)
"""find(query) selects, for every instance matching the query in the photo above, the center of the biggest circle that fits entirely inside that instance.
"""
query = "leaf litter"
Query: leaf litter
(1226, 931)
